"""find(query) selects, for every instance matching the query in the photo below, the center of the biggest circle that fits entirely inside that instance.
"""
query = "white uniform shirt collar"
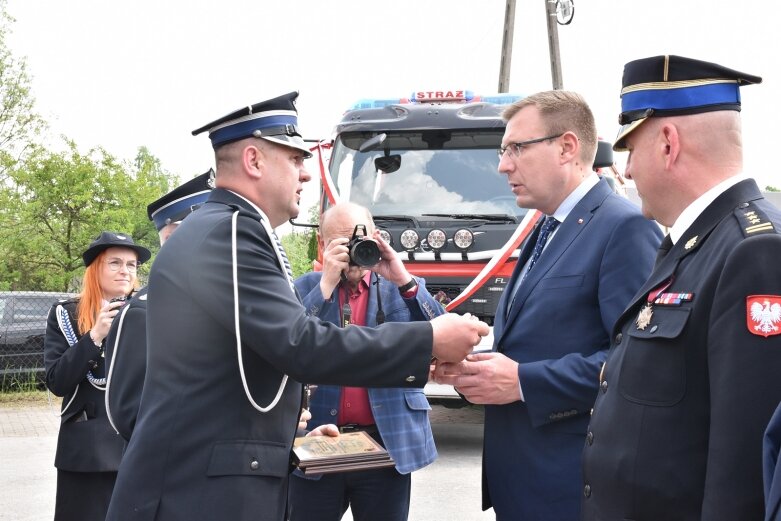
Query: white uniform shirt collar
(690, 214)
(580, 191)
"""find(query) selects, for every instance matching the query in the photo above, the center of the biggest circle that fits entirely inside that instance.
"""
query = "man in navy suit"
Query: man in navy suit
(579, 269)
(346, 293)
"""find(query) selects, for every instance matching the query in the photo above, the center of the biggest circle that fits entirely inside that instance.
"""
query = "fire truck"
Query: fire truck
(426, 168)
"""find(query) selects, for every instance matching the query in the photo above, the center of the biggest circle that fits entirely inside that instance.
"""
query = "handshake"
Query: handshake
(456, 335)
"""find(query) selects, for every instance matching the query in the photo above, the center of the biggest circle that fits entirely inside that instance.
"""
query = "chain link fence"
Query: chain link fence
(23, 317)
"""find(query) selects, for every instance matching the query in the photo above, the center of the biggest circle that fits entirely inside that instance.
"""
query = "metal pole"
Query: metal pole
(553, 45)
(507, 46)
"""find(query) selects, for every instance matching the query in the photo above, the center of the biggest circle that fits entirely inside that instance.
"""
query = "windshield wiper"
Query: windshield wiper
(477, 216)
(403, 218)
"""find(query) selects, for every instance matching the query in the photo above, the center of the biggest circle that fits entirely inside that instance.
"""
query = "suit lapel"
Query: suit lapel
(507, 296)
(577, 221)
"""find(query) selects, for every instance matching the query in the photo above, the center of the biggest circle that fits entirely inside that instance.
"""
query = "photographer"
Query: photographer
(347, 293)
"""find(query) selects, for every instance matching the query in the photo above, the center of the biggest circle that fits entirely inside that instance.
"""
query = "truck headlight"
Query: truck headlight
(436, 239)
(463, 239)
(409, 239)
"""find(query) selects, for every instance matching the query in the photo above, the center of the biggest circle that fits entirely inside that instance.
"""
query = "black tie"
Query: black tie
(664, 248)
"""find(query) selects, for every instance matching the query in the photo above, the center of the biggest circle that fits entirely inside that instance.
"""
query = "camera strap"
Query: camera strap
(380, 313)
(347, 313)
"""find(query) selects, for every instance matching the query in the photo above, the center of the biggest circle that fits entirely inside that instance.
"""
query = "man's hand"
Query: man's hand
(455, 336)
(329, 429)
(483, 378)
(391, 268)
(303, 419)
(336, 259)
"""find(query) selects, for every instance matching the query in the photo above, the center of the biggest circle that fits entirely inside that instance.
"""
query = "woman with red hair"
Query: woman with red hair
(88, 449)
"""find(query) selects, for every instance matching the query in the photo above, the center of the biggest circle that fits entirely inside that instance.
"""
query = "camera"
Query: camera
(364, 250)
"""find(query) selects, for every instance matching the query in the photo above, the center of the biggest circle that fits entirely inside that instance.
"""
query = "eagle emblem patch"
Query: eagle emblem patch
(763, 314)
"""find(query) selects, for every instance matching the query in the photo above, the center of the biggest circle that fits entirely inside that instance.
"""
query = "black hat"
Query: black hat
(110, 240)
(181, 201)
(674, 86)
(275, 120)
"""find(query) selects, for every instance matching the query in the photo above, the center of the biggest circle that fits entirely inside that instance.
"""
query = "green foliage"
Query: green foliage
(296, 246)
(769, 188)
(19, 123)
(55, 204)
(19, 382)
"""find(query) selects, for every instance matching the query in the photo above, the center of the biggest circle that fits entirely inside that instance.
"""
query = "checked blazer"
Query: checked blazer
(401, 415)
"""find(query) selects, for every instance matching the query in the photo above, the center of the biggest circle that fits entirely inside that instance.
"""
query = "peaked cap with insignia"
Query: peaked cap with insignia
(108, 240)
(275, 120)
(673, 86)
(181, 201)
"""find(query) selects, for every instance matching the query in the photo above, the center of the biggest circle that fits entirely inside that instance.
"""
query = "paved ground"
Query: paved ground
(447, 490)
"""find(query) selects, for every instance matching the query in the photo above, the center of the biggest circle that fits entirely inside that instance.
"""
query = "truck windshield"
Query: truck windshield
(439, 172)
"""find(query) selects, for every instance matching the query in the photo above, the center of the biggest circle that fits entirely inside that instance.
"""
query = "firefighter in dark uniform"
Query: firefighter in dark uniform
(229, 342)
(88, 450)
(126, 340)
(692, 377)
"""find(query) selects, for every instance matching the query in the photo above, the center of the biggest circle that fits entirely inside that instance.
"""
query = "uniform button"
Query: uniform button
(410, 379)
(653, 329)
(254, 465)
(587, 490)
(590, 438)
(618, 339)
(334, 412)
(603, 386)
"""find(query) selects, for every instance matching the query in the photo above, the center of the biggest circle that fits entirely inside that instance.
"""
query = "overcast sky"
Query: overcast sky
(148, 72)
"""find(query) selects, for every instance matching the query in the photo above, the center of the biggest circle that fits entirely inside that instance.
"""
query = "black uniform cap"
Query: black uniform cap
(673, 86)
(275, 120)
(181, 201)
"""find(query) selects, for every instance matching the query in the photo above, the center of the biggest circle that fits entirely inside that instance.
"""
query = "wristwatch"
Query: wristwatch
(408, 286)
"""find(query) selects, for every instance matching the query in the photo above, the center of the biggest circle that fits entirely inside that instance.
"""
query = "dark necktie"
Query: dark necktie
(664, 248)
(548, 227)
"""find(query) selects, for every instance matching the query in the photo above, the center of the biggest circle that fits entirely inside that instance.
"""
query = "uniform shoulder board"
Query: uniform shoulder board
(753, 220)
(68, 301)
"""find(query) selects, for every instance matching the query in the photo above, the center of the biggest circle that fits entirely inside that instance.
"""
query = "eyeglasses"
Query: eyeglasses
(116, 265)
(515, 148)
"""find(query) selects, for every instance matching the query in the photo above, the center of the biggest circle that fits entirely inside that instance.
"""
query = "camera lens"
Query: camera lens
(364, 252)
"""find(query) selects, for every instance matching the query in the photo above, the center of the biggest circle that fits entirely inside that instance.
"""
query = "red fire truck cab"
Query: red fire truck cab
(426, 168)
